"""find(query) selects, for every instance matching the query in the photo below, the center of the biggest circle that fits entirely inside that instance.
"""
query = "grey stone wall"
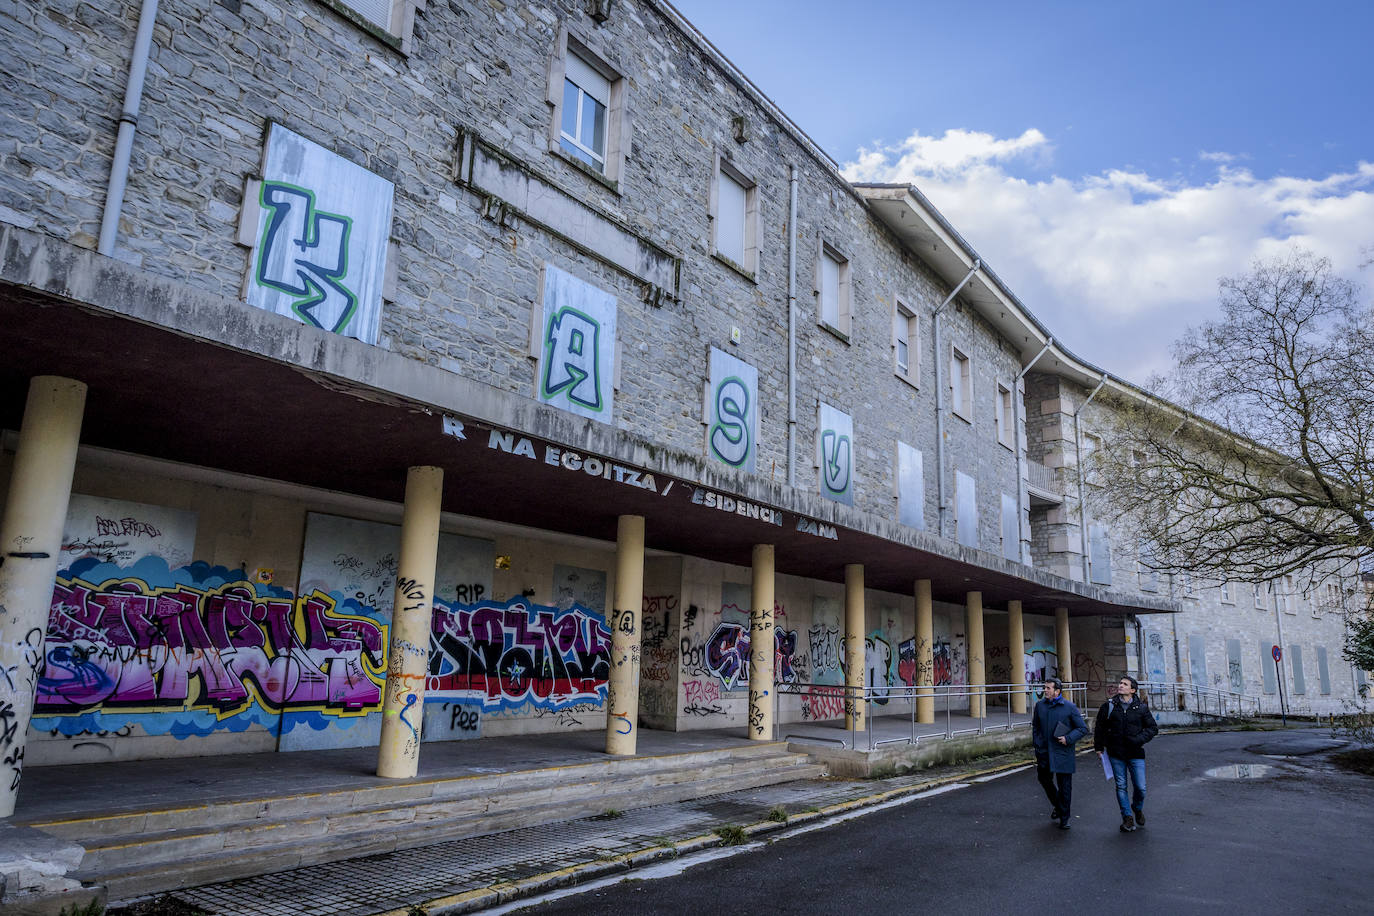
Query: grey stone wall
(221, 73)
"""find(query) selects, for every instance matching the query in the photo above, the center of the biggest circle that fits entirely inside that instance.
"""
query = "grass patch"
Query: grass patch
(778, 815)
(1360, 760)
(91, 909)
(731, 835)
(609, 814)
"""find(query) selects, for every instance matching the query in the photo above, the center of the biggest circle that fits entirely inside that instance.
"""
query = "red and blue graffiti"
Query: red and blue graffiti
(505, 655)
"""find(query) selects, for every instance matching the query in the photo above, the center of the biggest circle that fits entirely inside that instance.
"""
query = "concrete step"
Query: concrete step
(105, 852)
(115, 823)
(128, 877)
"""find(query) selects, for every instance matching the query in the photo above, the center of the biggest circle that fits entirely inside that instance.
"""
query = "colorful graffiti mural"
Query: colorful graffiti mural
(199, 648)
(517, 653)
(727, 654)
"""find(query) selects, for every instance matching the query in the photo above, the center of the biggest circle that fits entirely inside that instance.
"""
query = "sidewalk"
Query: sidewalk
(471, 874)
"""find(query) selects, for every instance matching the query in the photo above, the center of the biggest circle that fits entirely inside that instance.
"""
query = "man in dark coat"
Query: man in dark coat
(1124, 726)
(1055, 727)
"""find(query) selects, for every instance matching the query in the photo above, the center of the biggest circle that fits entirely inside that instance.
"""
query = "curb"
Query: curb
(506, 891)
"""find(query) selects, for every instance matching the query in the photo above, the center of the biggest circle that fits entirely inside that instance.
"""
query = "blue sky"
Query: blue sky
(1110, 160)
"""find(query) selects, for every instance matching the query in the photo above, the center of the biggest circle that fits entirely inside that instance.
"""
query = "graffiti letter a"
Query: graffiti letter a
(730, 431)
(304, 253)
(835, 461)
(572, 349)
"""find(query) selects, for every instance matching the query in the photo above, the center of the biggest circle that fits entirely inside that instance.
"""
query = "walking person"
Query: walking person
(1055, 727)
(1124, 726)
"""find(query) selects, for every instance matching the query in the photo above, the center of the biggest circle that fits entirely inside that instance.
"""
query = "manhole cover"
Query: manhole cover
(1240, 771)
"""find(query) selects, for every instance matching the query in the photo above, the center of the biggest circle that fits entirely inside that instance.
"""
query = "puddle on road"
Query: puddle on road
(1240, 771)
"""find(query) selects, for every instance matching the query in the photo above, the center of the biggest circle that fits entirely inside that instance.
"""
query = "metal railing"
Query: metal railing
(1043, 478)
(1201, 699)
(842, 701)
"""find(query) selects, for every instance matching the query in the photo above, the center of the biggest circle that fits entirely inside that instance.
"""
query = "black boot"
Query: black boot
(1139, 817)
(1128, 824)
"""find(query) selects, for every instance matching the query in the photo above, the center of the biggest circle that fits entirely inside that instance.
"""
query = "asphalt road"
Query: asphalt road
(1297, 839)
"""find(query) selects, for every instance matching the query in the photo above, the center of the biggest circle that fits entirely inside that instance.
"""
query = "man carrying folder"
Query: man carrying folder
(1056, 726)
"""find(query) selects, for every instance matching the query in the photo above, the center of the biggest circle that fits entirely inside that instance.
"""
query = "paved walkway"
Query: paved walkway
(461, 876)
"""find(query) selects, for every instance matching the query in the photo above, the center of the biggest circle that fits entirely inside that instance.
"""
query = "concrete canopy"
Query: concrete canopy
(197, 378)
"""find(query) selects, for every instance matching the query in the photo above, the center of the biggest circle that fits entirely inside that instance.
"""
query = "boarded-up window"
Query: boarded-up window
(911, 487)
(1299, 684)
(1271, 681)
(1323, 673)
(1149, 576)
(1233, 668)
(965, 510)
(1011, 532)
(1197, 659)
(1099, 555)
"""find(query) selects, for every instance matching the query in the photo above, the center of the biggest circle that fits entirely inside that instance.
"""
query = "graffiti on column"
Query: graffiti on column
(727, 655)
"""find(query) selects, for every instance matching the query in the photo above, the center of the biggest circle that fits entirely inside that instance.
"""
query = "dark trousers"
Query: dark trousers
(1060, 795)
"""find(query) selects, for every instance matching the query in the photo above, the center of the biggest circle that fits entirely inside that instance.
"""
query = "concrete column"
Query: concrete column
(1016, 650)
(854, 661)
(622, 697)
(403, 701)
(1061, 643)
(761, 649)
(30, 540)
(925, 652)
(977, 668)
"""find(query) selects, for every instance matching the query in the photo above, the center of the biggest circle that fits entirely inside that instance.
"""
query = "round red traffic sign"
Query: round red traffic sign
(1278, 654)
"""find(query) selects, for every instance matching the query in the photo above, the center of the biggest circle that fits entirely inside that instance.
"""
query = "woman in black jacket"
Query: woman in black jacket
(1124, 726)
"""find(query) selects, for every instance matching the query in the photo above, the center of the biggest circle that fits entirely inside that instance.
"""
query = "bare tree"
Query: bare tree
(1267, 469)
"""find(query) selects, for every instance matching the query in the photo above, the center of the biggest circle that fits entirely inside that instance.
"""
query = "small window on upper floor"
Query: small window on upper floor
(394, 18)
(1283, 591)
(906, 344)
(1261, 596)
(588, 98)
(735, 217)
(960, 384)
(832, 290)
(1226, 597)
(1005, 416)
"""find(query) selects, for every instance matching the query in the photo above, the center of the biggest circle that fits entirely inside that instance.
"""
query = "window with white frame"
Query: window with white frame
(960, 384)
(1226, 597)
(1260, 595)
(1286, 595)
(588, 98)
(832, 289)
(1004, 415)
(395, 17)
(906, 342)
(734, 216)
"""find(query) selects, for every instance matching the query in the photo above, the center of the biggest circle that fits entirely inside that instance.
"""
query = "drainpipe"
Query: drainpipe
(1078, 455)
(124, 143)
(792, 327)
(940, 393)
(1020, 452)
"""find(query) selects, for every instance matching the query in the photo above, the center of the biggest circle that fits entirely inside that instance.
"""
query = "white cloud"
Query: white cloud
(1116, 264)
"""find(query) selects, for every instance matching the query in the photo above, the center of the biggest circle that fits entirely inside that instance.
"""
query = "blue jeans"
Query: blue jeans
(1137, 770)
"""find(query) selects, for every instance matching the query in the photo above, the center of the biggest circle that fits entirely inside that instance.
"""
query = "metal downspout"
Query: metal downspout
(940, 405)
(1078, 456)
(128, 121)
(1021, 469)
(792, 327)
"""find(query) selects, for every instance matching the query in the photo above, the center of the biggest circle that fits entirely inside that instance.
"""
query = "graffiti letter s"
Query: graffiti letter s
(730, 431)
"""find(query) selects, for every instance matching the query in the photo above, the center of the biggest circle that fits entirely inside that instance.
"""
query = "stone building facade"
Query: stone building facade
(567, 254)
